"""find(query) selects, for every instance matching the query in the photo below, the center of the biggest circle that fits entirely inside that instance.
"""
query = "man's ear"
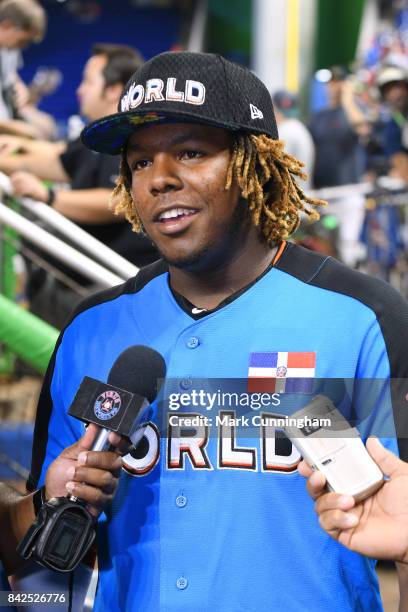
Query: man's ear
(113, 93)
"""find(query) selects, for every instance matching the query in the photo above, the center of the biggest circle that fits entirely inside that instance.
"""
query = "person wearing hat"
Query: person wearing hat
(211, 514)
(392, 82)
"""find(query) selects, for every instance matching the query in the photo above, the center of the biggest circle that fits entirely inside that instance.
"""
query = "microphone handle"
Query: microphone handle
(101, 443)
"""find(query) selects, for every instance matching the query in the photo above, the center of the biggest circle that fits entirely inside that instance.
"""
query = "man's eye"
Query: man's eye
(140, 164)
(191, 154)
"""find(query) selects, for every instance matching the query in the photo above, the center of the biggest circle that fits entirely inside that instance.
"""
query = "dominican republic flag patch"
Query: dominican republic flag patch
(281, 372)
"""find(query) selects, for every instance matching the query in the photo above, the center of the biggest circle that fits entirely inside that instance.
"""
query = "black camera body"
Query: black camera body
(61, 535)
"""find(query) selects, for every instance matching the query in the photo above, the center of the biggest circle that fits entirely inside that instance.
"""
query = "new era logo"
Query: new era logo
(255, 112)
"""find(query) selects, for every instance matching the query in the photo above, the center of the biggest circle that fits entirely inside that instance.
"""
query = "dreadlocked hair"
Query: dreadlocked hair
(265, 174)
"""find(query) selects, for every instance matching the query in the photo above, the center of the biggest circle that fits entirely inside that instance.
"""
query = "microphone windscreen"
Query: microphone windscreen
(138, 370)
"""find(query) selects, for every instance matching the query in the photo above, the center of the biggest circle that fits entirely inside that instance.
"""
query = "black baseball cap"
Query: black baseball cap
(190, 87)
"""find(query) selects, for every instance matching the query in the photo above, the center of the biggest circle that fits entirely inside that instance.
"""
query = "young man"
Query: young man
(206, 519)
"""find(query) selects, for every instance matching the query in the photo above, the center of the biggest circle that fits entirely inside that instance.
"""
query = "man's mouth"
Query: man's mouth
(175, 220)
(174, 214)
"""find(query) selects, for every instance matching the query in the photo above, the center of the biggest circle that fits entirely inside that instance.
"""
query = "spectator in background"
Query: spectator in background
(392, 82)
(32, 121)
(336, 131)
(91, 176)
(297, 138)
(340, 156)
(21, 23)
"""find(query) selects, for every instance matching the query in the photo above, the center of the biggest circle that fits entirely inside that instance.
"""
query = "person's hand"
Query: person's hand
(399, 166)
(376, 527)
(348, 88)
(11, 144)
(91, 476)
(28, 185)
(21, 93)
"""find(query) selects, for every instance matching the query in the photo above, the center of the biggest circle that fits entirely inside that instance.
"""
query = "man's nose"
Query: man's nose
(164, 175)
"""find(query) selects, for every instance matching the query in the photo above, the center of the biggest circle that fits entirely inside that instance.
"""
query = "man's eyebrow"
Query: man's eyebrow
(135, 147)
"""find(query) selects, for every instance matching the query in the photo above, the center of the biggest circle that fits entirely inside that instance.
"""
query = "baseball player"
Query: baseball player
(218, 518)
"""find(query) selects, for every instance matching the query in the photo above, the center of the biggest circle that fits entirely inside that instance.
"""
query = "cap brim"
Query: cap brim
(109, 135)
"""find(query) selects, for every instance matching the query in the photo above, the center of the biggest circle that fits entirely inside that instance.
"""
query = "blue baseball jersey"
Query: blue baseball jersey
(206, 523)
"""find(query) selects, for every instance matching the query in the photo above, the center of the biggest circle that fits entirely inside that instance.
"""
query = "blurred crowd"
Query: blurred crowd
(361, 135)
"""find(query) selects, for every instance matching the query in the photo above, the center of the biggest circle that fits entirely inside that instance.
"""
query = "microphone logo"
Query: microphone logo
(107, 405)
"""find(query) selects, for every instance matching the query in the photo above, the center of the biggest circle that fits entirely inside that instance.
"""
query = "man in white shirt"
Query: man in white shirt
(297, 138)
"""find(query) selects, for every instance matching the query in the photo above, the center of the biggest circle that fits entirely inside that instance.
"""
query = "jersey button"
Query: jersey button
(193, 342)
(186, 383)
(182, 583)
(181, 501)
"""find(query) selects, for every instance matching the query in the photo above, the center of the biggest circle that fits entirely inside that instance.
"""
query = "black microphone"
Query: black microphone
(123, 403)
(64, 530)
(139, 369)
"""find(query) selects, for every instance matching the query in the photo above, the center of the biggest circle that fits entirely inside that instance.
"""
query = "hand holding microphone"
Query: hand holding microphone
(64, 529)
(91, 476)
